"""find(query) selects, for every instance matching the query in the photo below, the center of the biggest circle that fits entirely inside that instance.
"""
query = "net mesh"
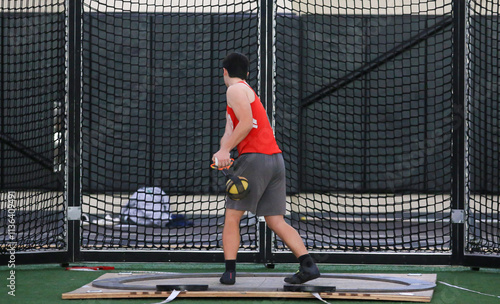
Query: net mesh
(153, 113)
(362, 109)
(483, 128)
(370, 85)
(32, 72)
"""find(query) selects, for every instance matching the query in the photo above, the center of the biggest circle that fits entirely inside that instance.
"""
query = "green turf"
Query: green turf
(45, 283)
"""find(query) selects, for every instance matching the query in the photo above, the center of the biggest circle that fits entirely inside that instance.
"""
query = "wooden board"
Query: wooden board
(385, 287)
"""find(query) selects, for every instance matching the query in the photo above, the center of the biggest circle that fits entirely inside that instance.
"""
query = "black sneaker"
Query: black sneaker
(303, 275)
(228, 278)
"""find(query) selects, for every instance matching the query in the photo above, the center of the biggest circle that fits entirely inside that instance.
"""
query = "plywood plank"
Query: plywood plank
(262, 286)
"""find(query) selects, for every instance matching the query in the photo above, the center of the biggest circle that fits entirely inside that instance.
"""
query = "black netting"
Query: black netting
(363, 107)
(483, 132)
(153, 113)
(32, 72)
(370, 157)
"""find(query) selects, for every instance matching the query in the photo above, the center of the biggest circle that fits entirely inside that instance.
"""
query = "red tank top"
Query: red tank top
(261, 137)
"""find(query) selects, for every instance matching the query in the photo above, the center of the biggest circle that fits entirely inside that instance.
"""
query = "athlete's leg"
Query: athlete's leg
(231, 244)
(231, 233)
(287, 234)
(308, 269)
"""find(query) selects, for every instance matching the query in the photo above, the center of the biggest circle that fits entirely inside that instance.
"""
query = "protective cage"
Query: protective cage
(386, 114)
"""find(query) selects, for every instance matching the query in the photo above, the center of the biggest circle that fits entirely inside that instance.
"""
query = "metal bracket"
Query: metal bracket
(74, 213)
(458, 216)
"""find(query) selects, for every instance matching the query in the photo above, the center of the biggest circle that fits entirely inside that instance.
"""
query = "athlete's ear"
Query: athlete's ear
(225, 73)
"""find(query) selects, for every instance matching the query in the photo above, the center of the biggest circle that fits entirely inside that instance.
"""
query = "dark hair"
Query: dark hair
(236, 65)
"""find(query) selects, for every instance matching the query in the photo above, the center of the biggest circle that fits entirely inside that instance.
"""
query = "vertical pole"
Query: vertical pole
(73, 191)
(151, 105)
(263, 44)
(269, 246)
(267, 57)
(267, 95)
(270, 61)
(459, 95)
(214, 108)
(301, 119)
(3, 112)
(262, 240)
(263, 52)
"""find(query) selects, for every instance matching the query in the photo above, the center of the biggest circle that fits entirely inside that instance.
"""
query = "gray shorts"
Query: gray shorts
(266, 177)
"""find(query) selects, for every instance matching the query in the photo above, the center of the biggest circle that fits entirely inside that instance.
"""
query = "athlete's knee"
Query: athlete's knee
(231, 220)
(233, 217)
(275, 221)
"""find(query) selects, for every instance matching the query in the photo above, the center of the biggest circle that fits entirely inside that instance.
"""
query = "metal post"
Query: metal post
(267, 57)
(263, 52)
(302, 110)
(73, 192)
(270, 20)
(267, 93)
(459, 95)
(3, 112)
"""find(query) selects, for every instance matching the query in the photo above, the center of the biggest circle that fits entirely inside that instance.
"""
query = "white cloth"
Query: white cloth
(148, 206)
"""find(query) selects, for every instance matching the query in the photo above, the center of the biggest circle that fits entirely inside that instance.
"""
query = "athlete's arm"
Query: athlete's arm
(237, 99)
(228, 131)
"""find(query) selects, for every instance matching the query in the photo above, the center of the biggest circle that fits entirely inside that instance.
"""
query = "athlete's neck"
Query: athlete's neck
(234, 80)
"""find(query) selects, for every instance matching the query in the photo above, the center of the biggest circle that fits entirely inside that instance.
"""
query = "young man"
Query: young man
(260, 161)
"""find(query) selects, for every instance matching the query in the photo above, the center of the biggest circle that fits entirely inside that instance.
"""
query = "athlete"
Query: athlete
(260, 160)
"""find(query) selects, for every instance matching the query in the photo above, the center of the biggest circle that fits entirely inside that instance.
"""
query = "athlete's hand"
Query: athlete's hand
(221, 158)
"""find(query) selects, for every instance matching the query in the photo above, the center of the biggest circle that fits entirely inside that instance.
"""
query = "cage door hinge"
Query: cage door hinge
(457, 216)
(74, 213)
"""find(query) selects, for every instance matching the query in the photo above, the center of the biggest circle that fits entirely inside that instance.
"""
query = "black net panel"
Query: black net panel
(364, 114)
(483, 133)
(362, 111)
(152, 115)
(32, 95)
